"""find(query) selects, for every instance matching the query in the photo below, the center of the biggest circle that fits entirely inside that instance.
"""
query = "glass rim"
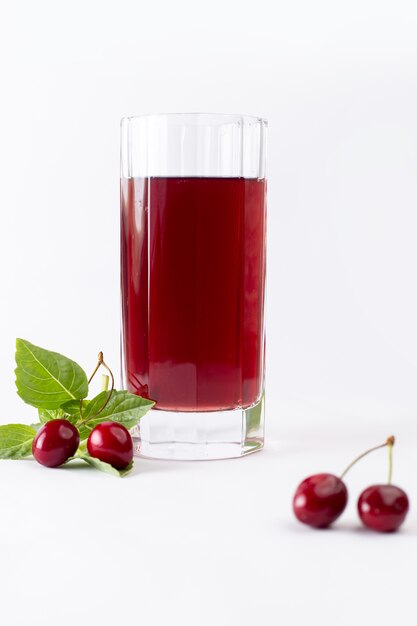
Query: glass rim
(196, 114)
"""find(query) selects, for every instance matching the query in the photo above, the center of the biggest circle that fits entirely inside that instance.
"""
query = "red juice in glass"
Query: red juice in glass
(193, 282)
(193, 291)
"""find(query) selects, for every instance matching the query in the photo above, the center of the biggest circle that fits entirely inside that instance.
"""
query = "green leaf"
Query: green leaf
(82, 448)
(100, 465)
(16, 441)
(46, 415)
(84, 432)
(69, 411)
(73, 407)
(72, 410)
(47, 379)
(123, 407)
(72, 413)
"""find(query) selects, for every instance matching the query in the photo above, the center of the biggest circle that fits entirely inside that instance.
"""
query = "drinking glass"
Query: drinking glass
(193, 209)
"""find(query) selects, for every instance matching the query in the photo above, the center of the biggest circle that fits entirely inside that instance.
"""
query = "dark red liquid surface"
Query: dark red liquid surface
(193, 270)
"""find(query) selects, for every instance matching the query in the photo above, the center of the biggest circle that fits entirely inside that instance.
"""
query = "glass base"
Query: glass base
(208, 435)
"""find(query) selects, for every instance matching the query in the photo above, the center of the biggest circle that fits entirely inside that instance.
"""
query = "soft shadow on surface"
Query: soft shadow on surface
(140, 466)
(78, 464)
(404, 531)
(148, 465)
(151, 466)
(343, 527)
(143, 465)
(301, 529)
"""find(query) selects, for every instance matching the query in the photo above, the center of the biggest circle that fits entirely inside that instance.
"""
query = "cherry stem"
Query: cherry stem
(389, 442)
(99, 362)
(105, 385)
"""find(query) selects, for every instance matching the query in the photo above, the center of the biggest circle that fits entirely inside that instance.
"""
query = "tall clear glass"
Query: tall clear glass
(193, 209)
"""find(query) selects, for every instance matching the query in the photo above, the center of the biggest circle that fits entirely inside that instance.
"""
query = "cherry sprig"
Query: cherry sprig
(70, 426)
(320, 499)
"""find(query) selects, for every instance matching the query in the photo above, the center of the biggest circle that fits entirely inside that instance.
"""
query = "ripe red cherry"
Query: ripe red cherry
(383, 507)
(319, 500)
(111, 442)
(55, 442)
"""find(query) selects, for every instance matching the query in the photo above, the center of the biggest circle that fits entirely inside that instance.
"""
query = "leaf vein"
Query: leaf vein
(50, 373)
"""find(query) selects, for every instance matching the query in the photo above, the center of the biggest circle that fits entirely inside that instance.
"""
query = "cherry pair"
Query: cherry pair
(58, 440)
(320, 499)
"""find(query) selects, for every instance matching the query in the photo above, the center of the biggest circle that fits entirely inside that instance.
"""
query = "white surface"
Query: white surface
(203, 542)
(215, 543)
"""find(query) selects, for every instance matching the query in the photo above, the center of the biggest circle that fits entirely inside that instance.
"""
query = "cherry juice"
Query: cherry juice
(193, 274)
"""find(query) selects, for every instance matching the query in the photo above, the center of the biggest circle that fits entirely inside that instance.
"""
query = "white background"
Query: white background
(215, 543)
